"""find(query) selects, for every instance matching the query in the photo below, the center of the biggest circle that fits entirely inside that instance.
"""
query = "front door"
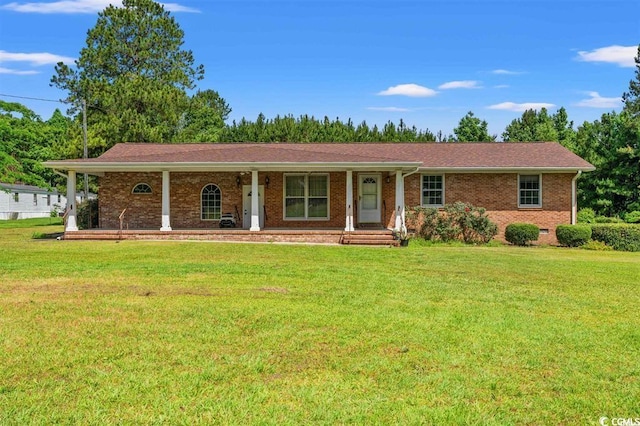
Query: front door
(369, 198)
(246, 205)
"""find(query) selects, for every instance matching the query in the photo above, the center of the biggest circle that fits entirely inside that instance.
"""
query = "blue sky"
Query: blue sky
(427, 62)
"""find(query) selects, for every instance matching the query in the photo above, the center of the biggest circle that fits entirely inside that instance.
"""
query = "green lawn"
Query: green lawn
(199, 332)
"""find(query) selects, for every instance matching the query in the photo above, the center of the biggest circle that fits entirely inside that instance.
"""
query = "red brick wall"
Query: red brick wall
(498, 193)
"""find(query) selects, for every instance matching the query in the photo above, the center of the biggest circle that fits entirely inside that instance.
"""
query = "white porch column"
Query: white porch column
(399, 225)
(72, 224)
(166, 205)
(255, 202)
(349, 201)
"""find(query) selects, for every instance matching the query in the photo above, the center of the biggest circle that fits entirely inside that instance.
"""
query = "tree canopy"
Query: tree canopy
(632, 97)
(472, 129)
(26, 141)
(536, 126)
(307, 129)
(134, 76)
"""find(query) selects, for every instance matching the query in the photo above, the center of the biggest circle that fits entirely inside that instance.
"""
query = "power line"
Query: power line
(34, 99)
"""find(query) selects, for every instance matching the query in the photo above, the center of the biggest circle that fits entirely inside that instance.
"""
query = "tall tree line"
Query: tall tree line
(305, 129)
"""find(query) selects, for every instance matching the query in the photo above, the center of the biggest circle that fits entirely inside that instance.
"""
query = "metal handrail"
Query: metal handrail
(384, 209)
(64, 217)
(121, 219)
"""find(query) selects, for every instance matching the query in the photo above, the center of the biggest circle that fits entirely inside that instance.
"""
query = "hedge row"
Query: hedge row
(619, 236)
(623, 237)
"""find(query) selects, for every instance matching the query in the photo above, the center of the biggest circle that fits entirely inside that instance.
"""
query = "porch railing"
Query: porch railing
(121, 219)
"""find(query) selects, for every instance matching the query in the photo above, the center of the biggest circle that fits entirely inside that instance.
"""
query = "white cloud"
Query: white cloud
(17, 72)
(80, 6)
(460, 84)
(35, 59)
(511, 106)
(506, 72)
(501, 86)
(597, 101)
(389, 109)
(411, 89)
(621, 55)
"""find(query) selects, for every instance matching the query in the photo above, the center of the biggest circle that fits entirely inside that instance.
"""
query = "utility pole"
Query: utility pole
(86, 155)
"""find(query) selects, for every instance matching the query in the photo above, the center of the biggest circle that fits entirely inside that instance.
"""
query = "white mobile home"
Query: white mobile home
(26, 201)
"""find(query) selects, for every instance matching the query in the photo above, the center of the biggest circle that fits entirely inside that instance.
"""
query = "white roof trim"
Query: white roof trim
(504, 169)
(225, 167)
(102, 167)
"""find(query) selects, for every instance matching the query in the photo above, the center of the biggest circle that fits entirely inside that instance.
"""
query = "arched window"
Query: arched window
(141, 188)
(210, 202)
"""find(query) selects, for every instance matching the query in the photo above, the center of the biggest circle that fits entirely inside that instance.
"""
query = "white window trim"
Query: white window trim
(531, 206)
(443, 190)
(306, 198)
(141, 193)
(201, 191)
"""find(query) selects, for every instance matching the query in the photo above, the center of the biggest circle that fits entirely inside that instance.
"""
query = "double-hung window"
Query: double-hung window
(529, 191)
(432, 190)
(306, 196)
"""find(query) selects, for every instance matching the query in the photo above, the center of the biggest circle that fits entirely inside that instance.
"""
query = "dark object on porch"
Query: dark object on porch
(227, 221)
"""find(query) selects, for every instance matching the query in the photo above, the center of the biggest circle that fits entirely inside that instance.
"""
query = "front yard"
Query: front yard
(198, 332)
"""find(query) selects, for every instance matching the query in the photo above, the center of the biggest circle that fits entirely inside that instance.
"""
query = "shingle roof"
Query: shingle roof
(16, 187)
(542, 155)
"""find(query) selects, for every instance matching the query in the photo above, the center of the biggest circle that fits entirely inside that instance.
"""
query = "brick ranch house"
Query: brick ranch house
(320, 191)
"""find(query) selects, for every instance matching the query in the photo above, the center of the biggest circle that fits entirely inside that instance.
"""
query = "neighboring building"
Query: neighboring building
(26, 201)
(319, 186)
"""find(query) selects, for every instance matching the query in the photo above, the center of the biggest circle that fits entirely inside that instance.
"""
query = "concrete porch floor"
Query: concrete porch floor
(379, 236)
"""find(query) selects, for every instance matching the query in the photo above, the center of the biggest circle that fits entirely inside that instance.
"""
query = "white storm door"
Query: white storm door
(246, 206)
(369, 188)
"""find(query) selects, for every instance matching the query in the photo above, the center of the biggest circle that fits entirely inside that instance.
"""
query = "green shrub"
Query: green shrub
(423, 221)
(573, 235)
(456, 222)
(586, 215)
(605, 219)
(597, 246)
(82, 216)
(623, 237)
(521, 234)
(632, 217)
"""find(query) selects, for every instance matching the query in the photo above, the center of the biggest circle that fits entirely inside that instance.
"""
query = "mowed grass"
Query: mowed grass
(201, 333)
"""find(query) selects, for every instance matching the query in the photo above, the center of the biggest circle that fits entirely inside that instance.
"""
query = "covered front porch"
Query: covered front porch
(365, 236)
(322, 205)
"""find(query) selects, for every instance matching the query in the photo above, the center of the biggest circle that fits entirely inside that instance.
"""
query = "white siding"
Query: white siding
(25, 207)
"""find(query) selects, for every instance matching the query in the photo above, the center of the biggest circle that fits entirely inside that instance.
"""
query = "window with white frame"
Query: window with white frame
(529, 191)
(16, 197)
(48, 199)
(211, 202)
(306, 196)
(433, 190)
(35, 199)
(141, 188)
